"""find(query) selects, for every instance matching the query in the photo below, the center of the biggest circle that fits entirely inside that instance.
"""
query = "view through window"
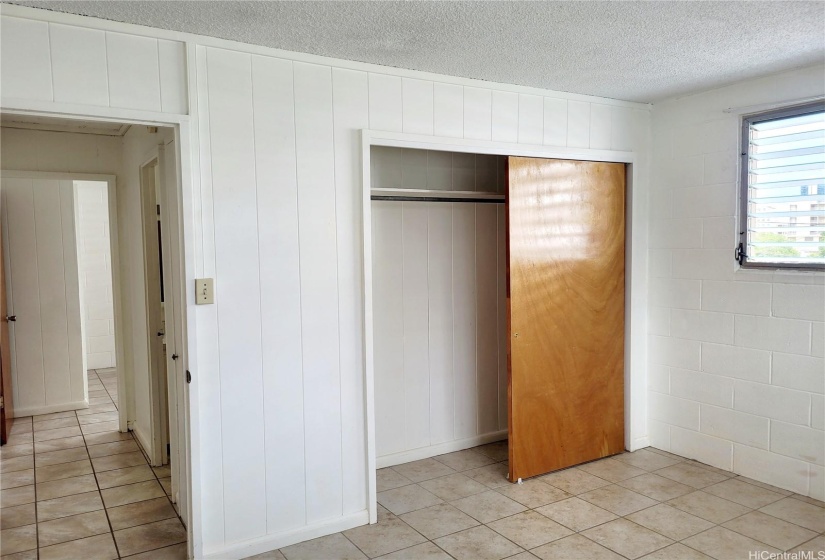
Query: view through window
(783, 182)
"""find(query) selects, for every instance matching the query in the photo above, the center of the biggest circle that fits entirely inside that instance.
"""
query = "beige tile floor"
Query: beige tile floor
(73, 487)
(648, 504)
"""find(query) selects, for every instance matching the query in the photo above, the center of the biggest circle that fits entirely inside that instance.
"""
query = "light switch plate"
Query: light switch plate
(204, 291)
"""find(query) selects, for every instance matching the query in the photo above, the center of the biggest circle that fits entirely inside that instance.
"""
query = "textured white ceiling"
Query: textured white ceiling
(636, 51)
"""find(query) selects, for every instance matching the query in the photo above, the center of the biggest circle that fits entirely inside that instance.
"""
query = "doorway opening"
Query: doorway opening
(121, 321)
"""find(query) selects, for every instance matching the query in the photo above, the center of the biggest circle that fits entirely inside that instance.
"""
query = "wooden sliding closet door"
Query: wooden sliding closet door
(565, 294)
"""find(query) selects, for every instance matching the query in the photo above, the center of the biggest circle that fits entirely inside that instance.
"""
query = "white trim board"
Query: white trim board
(636, 280)
(36, 410)
(245, 549)
(439, 449)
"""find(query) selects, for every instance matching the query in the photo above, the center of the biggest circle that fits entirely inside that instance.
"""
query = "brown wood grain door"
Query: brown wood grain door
(7, 411)
(566, 302)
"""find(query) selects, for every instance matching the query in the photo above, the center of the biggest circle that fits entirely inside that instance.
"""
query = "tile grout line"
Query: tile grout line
(97, 482)
(86, 447)
(156, 479)
(732, 476)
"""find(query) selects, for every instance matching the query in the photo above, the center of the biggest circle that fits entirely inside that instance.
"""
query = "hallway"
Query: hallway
(75, 487)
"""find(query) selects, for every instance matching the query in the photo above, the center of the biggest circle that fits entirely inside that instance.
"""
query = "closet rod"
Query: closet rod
(436, 199)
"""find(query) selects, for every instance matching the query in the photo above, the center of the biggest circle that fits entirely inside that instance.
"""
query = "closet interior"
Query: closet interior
(498, 306)
(438, 238)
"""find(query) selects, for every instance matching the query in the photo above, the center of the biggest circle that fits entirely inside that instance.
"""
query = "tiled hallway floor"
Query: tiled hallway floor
(648, 504)
(73, 487)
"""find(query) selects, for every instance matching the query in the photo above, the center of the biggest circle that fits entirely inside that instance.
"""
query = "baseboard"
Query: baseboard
(438, 449)
(639, 443)
(49, 409)
(244, 549)
(143, 440)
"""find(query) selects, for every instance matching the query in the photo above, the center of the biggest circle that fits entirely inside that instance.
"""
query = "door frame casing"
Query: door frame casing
(158, 391)
(636, 433)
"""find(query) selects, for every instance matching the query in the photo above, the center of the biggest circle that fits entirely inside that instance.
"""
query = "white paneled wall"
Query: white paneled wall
(284, 365)
(95, 262)
(40, 251)
(277, 220)
(439, 379)
(737, 373)
(44, 61)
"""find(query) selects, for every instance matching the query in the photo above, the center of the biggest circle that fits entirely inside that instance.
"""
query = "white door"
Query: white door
(42, 283)
(173, 302)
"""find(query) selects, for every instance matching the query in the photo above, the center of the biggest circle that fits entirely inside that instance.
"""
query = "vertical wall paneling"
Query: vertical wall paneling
(505, 116)
(555, 121)
(578, 124)
(464, 317)
(478, 113)
(530, 119)
(79, 65)
(351, 115)
(622, 128)
(388, 326)
(51, 273)
(448, 110)
(239, 305)
(77, 359)
(25, 59)
(487, 341)
(415, 314)
(173, 91)
(600, 126)
(385, 99)
(26, 335)
(208, 317)
(134, 73)
(501, 313)
(440, 312)
(315, 152)
(417, 106)
(272, 91)
(44, 61)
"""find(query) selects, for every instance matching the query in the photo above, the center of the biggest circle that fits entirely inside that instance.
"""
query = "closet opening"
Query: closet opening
(496, 293)
(439, 297)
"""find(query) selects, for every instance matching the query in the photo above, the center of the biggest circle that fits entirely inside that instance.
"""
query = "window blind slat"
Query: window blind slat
(788, 121)
(799, 136)
(790, 153)
(787, 199)
(789, 213)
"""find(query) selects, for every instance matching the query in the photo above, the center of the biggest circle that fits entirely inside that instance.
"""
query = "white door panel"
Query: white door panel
(48, 372)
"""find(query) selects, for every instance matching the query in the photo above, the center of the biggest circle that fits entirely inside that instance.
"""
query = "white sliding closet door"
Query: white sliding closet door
(40, 248)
